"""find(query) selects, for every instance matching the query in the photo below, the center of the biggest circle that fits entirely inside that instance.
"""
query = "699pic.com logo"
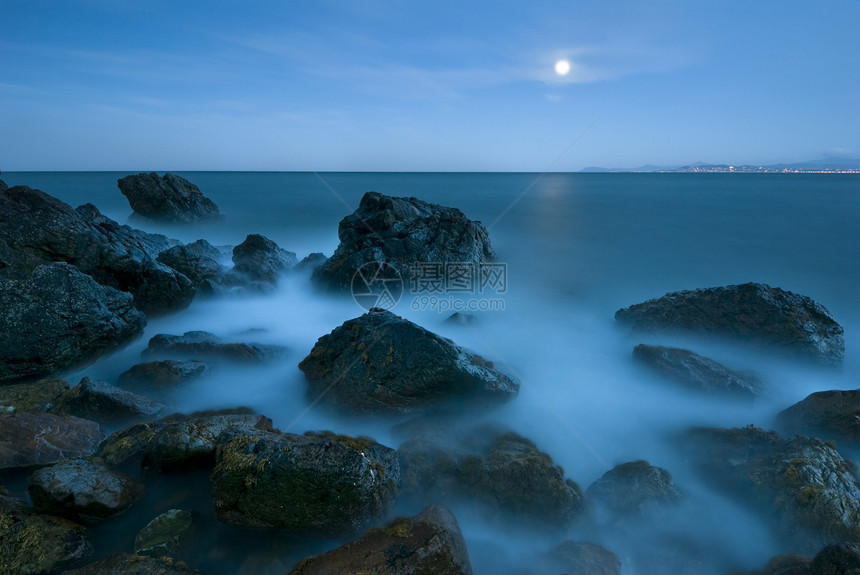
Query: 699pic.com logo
(377, 284)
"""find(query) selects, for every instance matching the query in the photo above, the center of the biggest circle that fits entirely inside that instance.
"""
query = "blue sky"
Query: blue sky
(407, 85)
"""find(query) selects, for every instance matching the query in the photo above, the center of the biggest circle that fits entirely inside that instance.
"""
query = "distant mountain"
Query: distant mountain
(830, 164)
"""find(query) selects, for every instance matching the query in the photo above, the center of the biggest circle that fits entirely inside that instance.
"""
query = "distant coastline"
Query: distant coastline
(832, 165)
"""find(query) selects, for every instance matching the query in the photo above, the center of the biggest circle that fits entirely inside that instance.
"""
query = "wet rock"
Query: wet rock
(202, 344)
(400, 232)
(34, 544)
(317, 484)
(504, 473)
(755, 313)
(169, 198)
(36, 396)
(633, 489)
(381, 363)
(105, 403)
(37, 229)
(164, 534)
(826, 414)
(59, 318)
(259, 259)
(129, 564)
(198, 261)
(82, 490)
(430, 542)
(310, 263)
(160, 375)
(837, 559)
(582, 558)
(696, 372)
(784, 565)
(804, 486)
(178, 443)
(39, 438)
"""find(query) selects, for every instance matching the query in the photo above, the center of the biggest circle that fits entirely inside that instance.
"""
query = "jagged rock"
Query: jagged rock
(826, 414)
(198, 261)
(36, 396)
(105, 403)
(35, 544)
(169, 198)
(837, 559)
(430, 542)
(128, 564)
(504, 473)
(317, 484)
(261, 260)
(82, 490)
(39, 438)
(458, 318)
(400, 232)
(804, 486)
(755, 313)
(696, 372)
(582, 558)
(37, 229)
(3, 186)
(310, 263)
(60, 318)
(202, 344)
(164, 534)
(633, 489)
(381, 363)
(160, 375)
(178, 443)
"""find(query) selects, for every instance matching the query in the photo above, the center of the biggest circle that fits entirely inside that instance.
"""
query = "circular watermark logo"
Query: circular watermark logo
(377, 284)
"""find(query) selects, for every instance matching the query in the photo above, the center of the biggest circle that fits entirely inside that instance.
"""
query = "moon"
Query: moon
(562, 67)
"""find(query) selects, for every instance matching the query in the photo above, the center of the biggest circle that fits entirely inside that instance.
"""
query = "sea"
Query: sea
(576, 247)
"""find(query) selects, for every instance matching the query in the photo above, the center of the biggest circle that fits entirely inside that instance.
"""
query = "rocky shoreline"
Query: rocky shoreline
(75, 285)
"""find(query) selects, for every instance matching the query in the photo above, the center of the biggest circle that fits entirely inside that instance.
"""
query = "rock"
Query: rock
(696, 372)
(582, 558)
(504, 473)
(381, 363)
(37, 229)
(178, 443)
(634, 489)
(261, 260)
(458, 318)
(310, 263)
(164, 534)
(170, 198)
(165, 374)
(400, 232)
(3, 186)
(82, 490)
(198, 261)
(755, 313)
(430, 542)
(36, 396)
(784, 565)
(826, 414)
(837, 559)
(39, 438)
(34, 544)
(202, 344)
(105, 403)
(59, 319)
(810, 493)
(128, 564)
(317, 484)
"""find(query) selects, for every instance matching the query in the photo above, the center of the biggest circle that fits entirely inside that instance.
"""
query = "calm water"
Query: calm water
(577, 247)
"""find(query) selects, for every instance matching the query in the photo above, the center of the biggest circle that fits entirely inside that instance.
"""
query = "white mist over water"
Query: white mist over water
(578, 247)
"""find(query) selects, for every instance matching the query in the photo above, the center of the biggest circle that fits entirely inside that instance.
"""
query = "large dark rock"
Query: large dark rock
(130, 564)
(202, 344)
(804, 486)
(581, 558)
(178, 443)
(696, 372)
(633, 489)
(759, 314)
(831, 414)
(317, 484)
(157, 377)
(59, 318)
(35, 396)
(35, 544)
(259, 259)
(505, 474)
(837, 559)
(82, 490)
(105, 403)
(428, 543)
(169, 198)
(37, 229)
(401, 232)
(381, 363)
(39, 438)
(198, 261)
